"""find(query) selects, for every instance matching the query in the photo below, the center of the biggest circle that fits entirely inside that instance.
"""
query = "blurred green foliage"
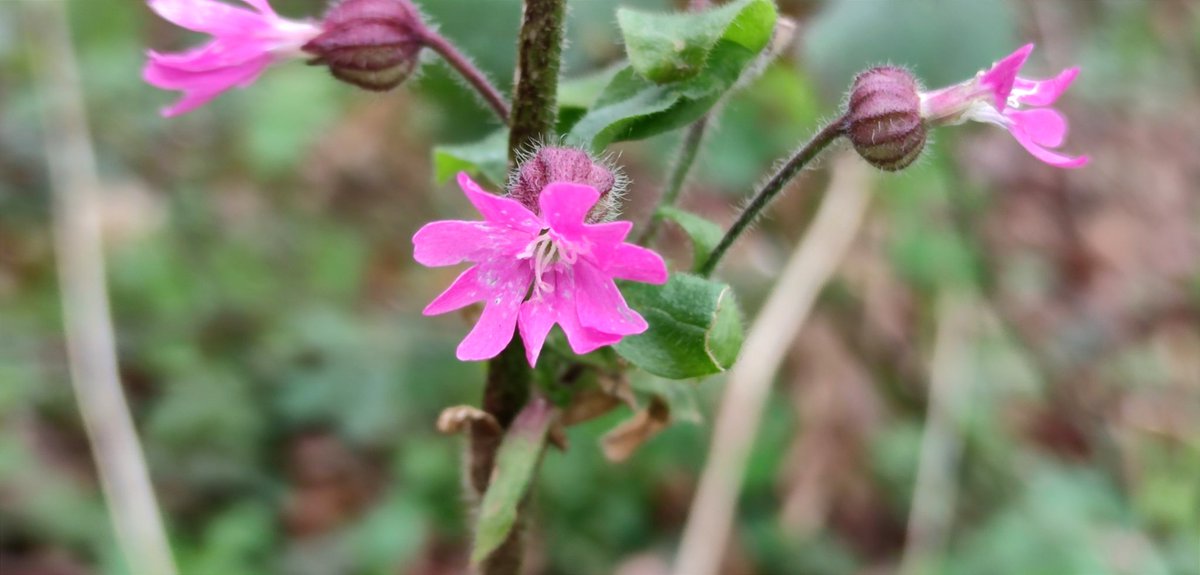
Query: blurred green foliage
(286, 386)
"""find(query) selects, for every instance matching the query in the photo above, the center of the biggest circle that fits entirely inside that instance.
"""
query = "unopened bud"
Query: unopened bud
(551, 164)
(372, 44)
(883, 118)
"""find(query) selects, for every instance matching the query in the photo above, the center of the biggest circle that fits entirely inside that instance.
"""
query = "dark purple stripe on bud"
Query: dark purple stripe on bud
(883, 118)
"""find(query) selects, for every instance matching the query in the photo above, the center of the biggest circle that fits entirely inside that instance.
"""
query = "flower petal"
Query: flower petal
(216, 18)
(479, 283)
(1045, 126)
(631, 262)
(463, 291)
(200, 87)
(167, 77)
(449, 242)
(498, 322)
(541, 312)
(1047, 156)
(499, 210)
(214, 55)
(600, 304)
(537, 317)
(608, 233)
(565, 205)
(1045, 92)
(1003, 74)
(262, 6)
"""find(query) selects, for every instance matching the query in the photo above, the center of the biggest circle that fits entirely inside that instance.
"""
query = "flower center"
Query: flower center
(545, 251)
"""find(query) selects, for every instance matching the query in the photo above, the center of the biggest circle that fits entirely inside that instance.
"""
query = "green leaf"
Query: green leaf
(695, 327)
(516, 461)
(576, 95)
(581, 92)
(671, 47)
(488, 157)
(633, 107)
(705, 234)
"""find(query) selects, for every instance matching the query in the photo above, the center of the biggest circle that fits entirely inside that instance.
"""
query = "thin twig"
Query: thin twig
(810, 267)
(684, 160)
(90, 341)
(936, 490)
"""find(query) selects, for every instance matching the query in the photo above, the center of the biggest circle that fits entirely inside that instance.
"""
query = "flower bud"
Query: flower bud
(883, 118)
(552, 164)
(372, 44)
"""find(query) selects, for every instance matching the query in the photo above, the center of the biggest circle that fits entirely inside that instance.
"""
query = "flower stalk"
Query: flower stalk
(539, 48)
(688, 150)
(801, 158)
(465, 67)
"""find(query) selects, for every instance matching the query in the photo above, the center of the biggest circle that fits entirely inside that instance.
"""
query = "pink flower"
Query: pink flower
(1020, 105)
(535, 270)
(244, 43)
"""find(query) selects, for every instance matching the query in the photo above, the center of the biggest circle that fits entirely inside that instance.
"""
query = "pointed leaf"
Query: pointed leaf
(705, 235)
(671, 47)
(516, 461)
(658, 91)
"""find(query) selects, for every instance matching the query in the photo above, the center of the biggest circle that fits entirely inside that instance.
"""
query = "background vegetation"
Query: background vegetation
(286, 386)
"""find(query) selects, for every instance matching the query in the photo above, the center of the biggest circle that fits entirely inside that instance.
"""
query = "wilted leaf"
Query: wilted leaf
(455, 419)
(626, 437)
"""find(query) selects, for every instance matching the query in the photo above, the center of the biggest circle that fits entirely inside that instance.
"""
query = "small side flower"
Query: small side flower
(246, 41)
(534, 270)
(1020, 105)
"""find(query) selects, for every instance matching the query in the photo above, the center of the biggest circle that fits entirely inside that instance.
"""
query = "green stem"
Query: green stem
(509, 378)
(539, 49)
(771, 188)
(688, 150)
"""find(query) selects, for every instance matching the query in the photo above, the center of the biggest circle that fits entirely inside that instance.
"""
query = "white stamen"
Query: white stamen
(545, 251)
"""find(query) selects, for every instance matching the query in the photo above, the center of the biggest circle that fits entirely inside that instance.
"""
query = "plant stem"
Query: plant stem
(91, 347)
(771, 188)
(768, 340)
(688, 150)
(539, 49)
(469, 71)
(683, 161)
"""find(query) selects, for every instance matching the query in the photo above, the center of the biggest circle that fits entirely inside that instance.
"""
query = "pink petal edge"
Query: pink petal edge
(1003, 74)
(498, 210)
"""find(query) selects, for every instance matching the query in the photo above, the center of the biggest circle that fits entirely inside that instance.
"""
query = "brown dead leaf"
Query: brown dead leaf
(624, 439)
(456, 419)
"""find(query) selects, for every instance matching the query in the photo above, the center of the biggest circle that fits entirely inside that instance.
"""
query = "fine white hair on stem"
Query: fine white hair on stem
(816, 258)
(91, 348)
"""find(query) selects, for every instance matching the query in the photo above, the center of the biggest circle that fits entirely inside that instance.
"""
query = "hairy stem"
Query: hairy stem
(688, 150)
(539, 47)
(771, 188)
(473, 75)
